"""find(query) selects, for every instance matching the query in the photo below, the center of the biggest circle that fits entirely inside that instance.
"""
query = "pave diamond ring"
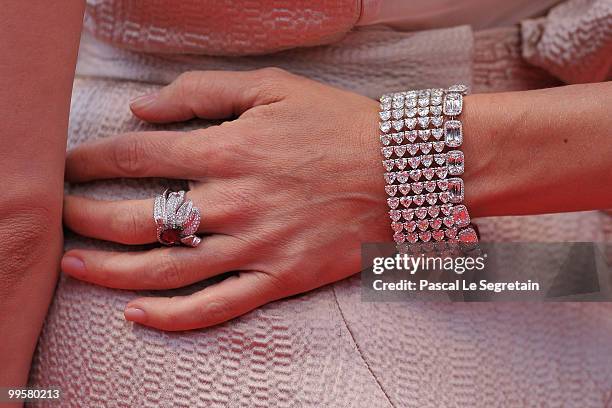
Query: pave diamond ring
(176, 220)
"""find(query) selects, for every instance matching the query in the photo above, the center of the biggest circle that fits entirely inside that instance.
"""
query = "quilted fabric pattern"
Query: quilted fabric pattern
(220, 27)
(369, 61)
(325, 348)
(574, 42)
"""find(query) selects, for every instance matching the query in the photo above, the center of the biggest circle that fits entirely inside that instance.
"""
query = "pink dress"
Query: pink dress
(326, 348)
(246, 27)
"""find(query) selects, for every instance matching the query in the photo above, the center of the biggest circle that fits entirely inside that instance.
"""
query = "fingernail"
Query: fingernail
(134, 314)
(73, 266)
(143, 101)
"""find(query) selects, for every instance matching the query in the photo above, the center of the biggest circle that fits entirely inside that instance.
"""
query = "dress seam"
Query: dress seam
(382, 389)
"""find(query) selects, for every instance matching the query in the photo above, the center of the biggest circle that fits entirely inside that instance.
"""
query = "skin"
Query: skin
(291, 187)
(35, 86)
(316, 142)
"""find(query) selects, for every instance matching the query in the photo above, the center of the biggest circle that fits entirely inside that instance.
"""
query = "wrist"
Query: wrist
(481, 147)
(541, 151)
(364, 167)
(367, 181)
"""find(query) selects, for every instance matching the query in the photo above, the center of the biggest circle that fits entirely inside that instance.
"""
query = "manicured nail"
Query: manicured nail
(73, 266)
(143, 101)
(134, 314)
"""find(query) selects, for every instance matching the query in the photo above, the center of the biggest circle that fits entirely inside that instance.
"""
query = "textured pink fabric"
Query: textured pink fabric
(574, 42)
(498, 63)
(479, 14)
(221, 27)
(326, 348)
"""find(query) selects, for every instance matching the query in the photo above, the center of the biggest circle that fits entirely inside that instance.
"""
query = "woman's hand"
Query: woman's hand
(288, 192)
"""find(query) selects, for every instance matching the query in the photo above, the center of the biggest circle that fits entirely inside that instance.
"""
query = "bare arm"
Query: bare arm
(38, 43)
(540, 151)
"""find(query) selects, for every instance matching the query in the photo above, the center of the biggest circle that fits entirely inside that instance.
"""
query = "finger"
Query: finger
(126, 222)
(160, 268)
(216, 304)
(211, 95)
(141, 154)
(129, 222)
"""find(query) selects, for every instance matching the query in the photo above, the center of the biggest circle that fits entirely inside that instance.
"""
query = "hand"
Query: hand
(288, 192)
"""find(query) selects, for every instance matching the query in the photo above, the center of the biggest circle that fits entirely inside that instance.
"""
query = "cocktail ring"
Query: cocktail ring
(177, 220)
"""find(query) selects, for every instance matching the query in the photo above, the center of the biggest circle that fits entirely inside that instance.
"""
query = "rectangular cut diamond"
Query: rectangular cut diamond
(454, 159)
(453, 104)
(453, 133)
(455, 189)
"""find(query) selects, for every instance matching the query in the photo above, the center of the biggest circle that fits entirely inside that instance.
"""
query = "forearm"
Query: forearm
(39, 42)
(541, 151)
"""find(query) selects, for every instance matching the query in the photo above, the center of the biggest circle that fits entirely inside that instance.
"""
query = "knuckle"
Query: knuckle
(169, 272)
(272, 72)
(213, 311)
(131, 156)
(271, 84)
(228, 149)
(202, 145)
(187, 83)
(218, 153)
(268, 113)
(188, 77)
(227, 217)
(249, 201)
(271, 284)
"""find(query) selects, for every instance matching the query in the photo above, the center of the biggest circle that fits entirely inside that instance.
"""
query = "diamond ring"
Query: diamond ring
(177, 220)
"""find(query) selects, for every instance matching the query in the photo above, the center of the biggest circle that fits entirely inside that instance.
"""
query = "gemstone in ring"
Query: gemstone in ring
(177, 220)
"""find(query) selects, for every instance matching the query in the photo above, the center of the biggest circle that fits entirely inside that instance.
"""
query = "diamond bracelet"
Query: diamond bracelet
(421, 136)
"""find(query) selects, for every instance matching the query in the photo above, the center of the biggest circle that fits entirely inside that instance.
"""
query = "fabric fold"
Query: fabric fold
(574, 42)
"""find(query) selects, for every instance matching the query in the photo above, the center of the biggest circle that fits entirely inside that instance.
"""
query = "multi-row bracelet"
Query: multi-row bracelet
(421, 139)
